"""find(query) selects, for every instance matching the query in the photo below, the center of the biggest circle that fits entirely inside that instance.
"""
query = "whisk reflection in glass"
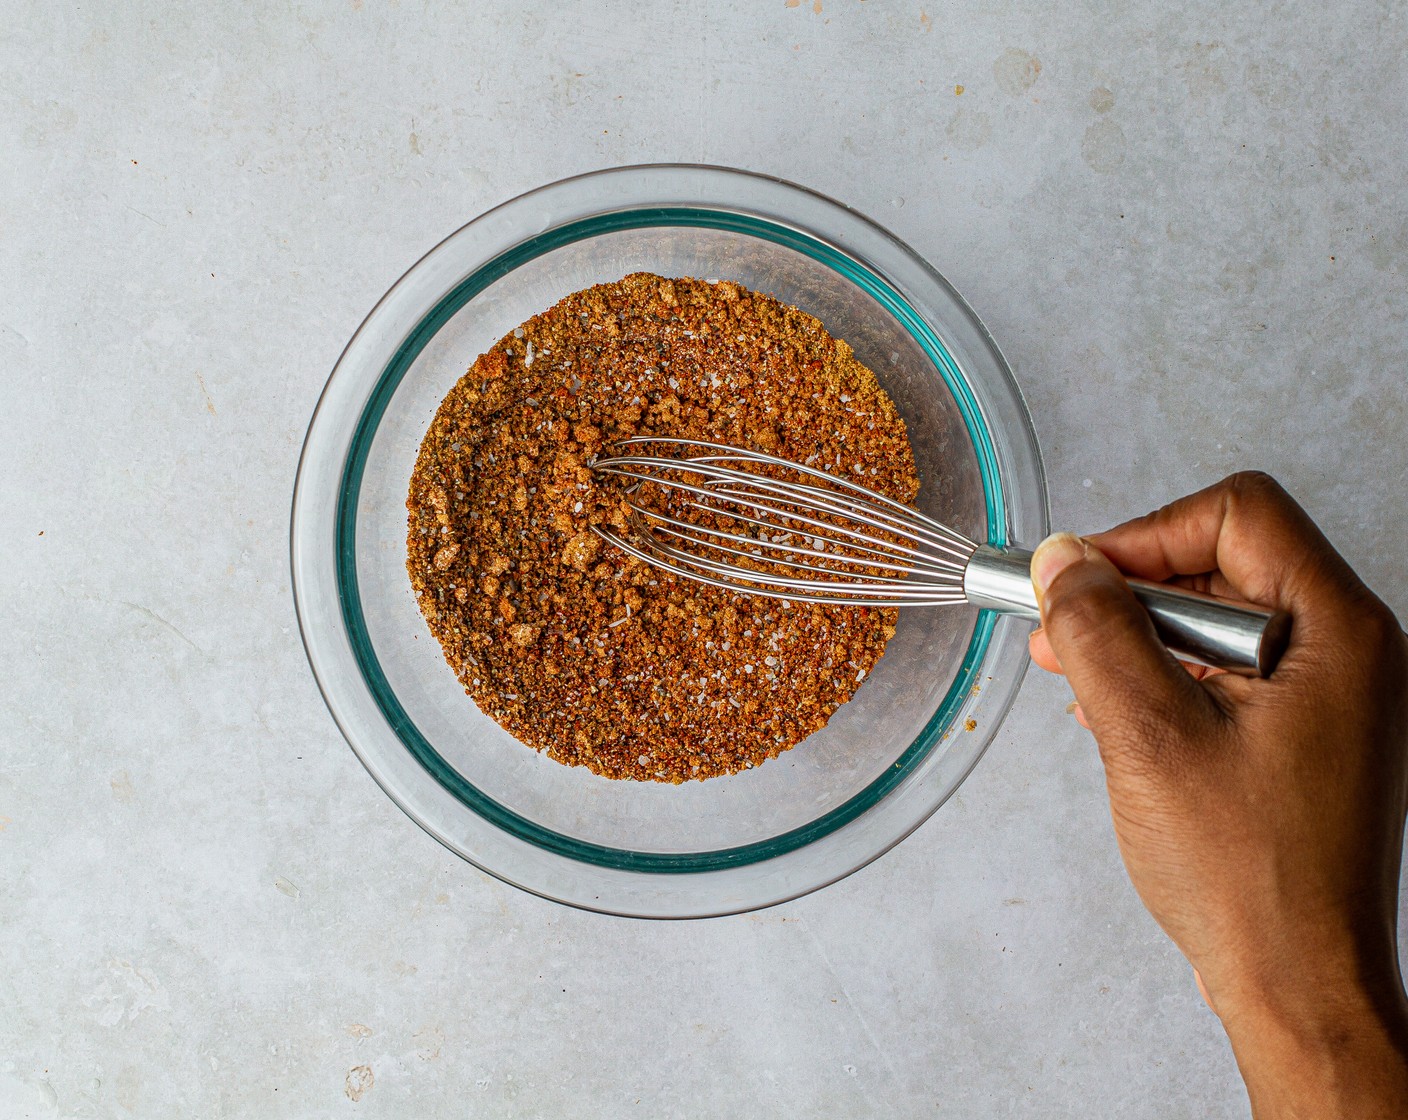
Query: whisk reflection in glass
(762, 525)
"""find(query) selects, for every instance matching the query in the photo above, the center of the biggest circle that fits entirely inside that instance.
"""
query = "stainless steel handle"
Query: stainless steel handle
(1238, 637)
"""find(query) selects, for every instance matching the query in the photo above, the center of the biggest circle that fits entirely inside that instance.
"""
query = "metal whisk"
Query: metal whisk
(766, 526)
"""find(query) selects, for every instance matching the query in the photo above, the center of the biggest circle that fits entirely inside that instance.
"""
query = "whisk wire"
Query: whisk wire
(909, 522)
(744, 499)
(731, 578)
(898, 590)
(867, 500)
(832, 481)
(642, 468)
(790, 550)
(913, 561)
(776, 536)
(843, 507)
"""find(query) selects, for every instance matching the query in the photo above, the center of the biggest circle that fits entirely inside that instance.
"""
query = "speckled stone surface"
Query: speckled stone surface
(1185, 225)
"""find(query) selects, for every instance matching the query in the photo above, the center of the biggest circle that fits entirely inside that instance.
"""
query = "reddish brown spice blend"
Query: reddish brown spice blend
(572, 646)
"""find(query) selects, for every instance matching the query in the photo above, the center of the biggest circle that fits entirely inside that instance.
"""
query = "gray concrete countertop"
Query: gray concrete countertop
(1186, 226)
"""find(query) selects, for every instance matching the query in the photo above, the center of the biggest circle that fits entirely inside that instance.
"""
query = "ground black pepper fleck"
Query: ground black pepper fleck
(579, 650)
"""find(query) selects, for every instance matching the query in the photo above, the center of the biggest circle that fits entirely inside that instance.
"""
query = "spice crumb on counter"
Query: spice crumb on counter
(574, 647)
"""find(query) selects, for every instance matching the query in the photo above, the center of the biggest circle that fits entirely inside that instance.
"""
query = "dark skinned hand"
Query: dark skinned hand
(1261, 821)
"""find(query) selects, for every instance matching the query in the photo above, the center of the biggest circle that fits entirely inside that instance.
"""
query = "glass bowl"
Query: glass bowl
(851, 791)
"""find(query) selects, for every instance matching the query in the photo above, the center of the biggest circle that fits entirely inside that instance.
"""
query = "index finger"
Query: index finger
(1248, 528)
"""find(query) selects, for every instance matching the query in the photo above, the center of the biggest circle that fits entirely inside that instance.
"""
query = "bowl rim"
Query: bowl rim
(724, 212)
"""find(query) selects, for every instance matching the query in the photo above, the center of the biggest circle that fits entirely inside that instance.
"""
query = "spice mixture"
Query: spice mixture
(570, 645)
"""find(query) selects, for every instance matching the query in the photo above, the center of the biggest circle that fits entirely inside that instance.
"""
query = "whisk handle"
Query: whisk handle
(1239, 637)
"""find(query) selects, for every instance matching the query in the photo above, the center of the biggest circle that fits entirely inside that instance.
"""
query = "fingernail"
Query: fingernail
(1055, 553)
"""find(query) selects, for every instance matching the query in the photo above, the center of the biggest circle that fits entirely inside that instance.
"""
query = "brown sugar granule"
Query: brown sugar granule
(579, 650)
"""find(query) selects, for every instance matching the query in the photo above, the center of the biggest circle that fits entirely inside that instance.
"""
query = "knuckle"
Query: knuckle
(1361, 637)
(1379, 624)
(1380, 634)
(1254, 487)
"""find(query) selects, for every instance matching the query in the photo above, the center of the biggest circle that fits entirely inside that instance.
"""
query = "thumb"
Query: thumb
(1127, 683)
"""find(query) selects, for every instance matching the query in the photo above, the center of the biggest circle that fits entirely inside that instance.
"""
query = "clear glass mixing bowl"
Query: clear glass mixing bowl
(886, 760)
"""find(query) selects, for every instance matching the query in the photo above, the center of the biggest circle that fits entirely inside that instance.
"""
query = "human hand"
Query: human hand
(1261, 821)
